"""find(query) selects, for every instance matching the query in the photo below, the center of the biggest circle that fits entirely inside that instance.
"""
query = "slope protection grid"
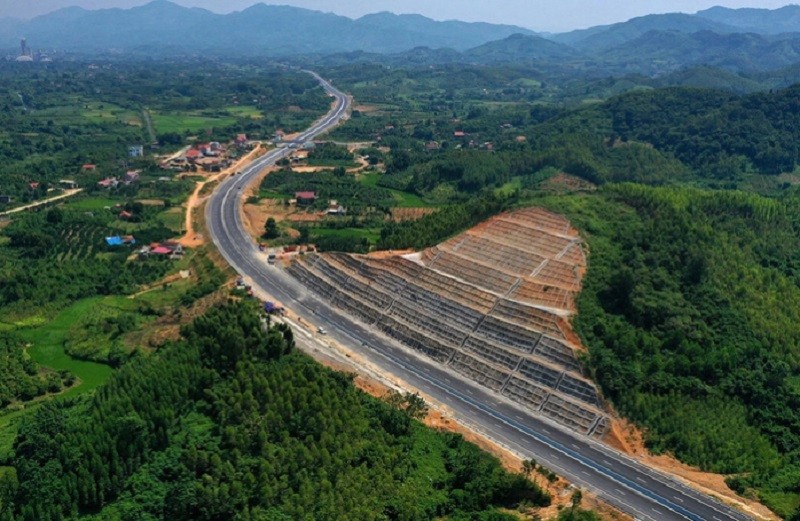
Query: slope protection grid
(492, 304)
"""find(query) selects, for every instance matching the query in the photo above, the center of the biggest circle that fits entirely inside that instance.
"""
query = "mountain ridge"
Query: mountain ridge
(259, 29)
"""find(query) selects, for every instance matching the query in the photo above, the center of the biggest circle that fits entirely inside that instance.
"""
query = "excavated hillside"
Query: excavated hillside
(492, 304)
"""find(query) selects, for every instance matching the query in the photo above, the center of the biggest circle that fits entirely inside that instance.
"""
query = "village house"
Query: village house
(69, 184)
(131, 176)
(193, 155)
(5, 199)
(169, 249)
(116, 240)
(89, 167)
(108, 182)
(335, 209)
(305, 198)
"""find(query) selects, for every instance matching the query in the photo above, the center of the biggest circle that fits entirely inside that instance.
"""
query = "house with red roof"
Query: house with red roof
(89, 167)
(305, 198)
(193, 155)
(131, 176)
(108, 182)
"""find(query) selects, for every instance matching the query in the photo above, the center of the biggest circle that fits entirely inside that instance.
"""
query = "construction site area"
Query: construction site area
(492, 304)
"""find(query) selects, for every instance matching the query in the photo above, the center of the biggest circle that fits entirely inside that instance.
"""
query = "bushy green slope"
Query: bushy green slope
(230, 424)
(691, 312)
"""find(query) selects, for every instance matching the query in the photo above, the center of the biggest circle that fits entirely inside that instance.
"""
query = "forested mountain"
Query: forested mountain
(230, 423)
(521, 49)
(765, 21)
(719, 136)
(162, 27)
(740, 41)
(661, 51)
(689, 312)
(598, 39)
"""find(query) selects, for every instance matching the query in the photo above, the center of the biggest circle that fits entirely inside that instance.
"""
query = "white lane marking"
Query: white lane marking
(231, 239)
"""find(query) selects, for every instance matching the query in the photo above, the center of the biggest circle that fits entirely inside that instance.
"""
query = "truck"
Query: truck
(271, 258)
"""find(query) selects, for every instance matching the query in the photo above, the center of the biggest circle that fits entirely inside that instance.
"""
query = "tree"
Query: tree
(271, 229)
(528, 466)
(577, 497)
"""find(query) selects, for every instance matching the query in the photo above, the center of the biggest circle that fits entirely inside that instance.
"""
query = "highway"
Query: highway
(621, 481)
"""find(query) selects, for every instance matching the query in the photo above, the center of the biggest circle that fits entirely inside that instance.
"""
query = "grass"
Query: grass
(371, 234)
(403, 199)
(332, 163)
(370, 179)
(91, 204)
(47, 346)
(510, 187)
(783, 503)
(79, 112)
(173, 219)
(9, 422)
(408, 200)
(182, 123)
(245, 112)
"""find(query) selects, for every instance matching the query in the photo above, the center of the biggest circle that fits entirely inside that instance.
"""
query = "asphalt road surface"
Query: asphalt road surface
(621, 481)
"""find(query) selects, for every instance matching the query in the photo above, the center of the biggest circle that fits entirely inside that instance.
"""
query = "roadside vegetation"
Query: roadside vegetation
(122, 394)
(181, 435)
(688, 203)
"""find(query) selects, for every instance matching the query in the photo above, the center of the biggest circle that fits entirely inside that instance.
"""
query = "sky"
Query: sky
(539, 15)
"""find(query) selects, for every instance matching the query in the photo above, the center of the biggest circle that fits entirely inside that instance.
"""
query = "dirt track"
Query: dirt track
(192, 239)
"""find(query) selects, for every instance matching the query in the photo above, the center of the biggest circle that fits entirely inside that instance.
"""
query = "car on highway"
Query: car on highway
(322, 331)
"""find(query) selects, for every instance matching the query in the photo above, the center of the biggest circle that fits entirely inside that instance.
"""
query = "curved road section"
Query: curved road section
(619, 480)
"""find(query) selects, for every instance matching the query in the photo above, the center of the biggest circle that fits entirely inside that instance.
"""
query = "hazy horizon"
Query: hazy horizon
(540, 16)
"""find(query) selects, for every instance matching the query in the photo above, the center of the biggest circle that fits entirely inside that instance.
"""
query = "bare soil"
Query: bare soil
(151, 202)
(192, 238)
(410, 214)
(565, 183)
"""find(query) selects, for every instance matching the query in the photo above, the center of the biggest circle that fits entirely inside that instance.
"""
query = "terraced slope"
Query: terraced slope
(492, 304)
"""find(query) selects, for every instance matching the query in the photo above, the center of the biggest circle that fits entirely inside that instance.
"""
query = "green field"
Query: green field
(403, 199)
(407, 200)
(81, 112)
(47, 349)
(92, 204)
(47, 344)
(372, 235)
(181, 123)
(245, 112)
(173, 219)
(510, 187)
